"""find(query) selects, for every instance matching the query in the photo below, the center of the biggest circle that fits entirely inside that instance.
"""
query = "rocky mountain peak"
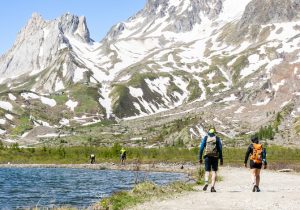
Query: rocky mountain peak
(42, 41)
(35, 23)
(74, 25)
(168, 16)
(270, 11)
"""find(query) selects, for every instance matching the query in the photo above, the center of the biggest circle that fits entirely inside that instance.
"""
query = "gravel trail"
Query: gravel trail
(278, 191)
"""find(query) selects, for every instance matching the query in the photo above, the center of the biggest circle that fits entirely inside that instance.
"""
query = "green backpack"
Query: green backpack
(211, 147)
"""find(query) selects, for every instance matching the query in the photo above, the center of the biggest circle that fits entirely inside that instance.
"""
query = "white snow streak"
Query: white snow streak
(9, 116)
(48, 101)
(6, 105)
(12, 97)
(2, 132)
(44, 100)
(105, 100)
(59, 85)
(136, 92)
(71, 104)
(232, 97)
(262, 103)
(240, 110)
(277, 85)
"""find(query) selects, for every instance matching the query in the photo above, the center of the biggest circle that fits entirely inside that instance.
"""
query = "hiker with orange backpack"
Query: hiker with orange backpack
(257, 158)
(213, 152)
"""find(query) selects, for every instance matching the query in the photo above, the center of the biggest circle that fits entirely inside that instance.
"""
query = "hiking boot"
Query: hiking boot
(254, 188)
(257, 189)
(213, 189)
(205, 187)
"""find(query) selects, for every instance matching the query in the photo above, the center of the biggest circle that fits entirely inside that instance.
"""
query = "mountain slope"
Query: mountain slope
(234, 63)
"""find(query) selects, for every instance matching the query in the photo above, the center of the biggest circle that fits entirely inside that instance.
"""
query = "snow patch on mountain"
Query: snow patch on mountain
(2, 121)
(48, 101)
(71, 104)
(136, 92)
(9, 116)
(44, 100)
(262, 103)
(65, 122)
(278, 85)
(159, 85)
(78, 74)
(28, 96)
(59, 85)
(12, 97)
(2, 132)
(285, 103)
(240, 110)
(6, 105)
(232, 97)
(233, 10)
(105, 100)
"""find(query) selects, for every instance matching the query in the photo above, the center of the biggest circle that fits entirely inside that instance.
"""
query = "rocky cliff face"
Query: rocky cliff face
(41, 43)
(271, 11)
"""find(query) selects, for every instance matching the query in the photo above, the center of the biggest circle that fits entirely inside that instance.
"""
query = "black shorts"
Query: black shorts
(123, 157)
(255, 165)
(211, 163)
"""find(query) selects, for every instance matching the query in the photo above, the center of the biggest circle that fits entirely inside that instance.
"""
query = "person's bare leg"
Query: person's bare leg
(257, 180)
(213, 178)
(253, 176)
(206, 177)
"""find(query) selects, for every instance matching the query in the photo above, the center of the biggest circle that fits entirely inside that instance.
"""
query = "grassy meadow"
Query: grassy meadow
(277, 157)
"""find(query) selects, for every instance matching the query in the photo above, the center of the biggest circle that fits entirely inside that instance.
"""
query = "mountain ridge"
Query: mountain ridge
(169, 56)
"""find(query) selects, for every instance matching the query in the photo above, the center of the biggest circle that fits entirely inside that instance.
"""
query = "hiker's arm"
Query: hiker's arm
(202, 146)
(219, 148)
(247, 155)
(264, 157)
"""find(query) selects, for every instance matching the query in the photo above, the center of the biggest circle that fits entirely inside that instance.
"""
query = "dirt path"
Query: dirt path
(278, 191)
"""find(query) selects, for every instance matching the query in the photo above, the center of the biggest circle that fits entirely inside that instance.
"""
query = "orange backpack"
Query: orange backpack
(257, 153)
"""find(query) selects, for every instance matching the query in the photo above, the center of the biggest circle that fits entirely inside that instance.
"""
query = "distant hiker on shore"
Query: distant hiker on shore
(257, 159)
(213, 151)
(92, 158)
(123, 156)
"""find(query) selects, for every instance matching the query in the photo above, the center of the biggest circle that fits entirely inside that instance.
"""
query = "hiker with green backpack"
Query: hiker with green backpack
(257, 158)
(213, 152)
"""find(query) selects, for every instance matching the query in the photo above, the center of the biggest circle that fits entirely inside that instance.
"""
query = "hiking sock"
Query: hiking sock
(212, 189)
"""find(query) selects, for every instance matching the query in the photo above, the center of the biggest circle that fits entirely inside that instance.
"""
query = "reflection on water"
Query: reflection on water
(44, 187)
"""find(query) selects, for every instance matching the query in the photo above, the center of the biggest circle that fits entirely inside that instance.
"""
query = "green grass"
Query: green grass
(195, 91)
(238, 65)
(87, 98)
(122, 103)
(137, 79)
(24, 124)
(297, 125)
(78, 155)
(173, 88)
(142, 192)
(60, 99)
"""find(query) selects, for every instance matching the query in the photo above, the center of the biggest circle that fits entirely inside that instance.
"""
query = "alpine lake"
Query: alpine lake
(25, 188)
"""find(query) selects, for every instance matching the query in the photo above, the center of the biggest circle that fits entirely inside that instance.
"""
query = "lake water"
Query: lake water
(53, 187)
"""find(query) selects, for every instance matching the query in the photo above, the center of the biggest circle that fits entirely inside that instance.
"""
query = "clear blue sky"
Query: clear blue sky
(101, 15)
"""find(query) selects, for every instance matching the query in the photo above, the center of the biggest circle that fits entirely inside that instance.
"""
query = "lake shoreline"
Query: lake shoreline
(187, 168)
